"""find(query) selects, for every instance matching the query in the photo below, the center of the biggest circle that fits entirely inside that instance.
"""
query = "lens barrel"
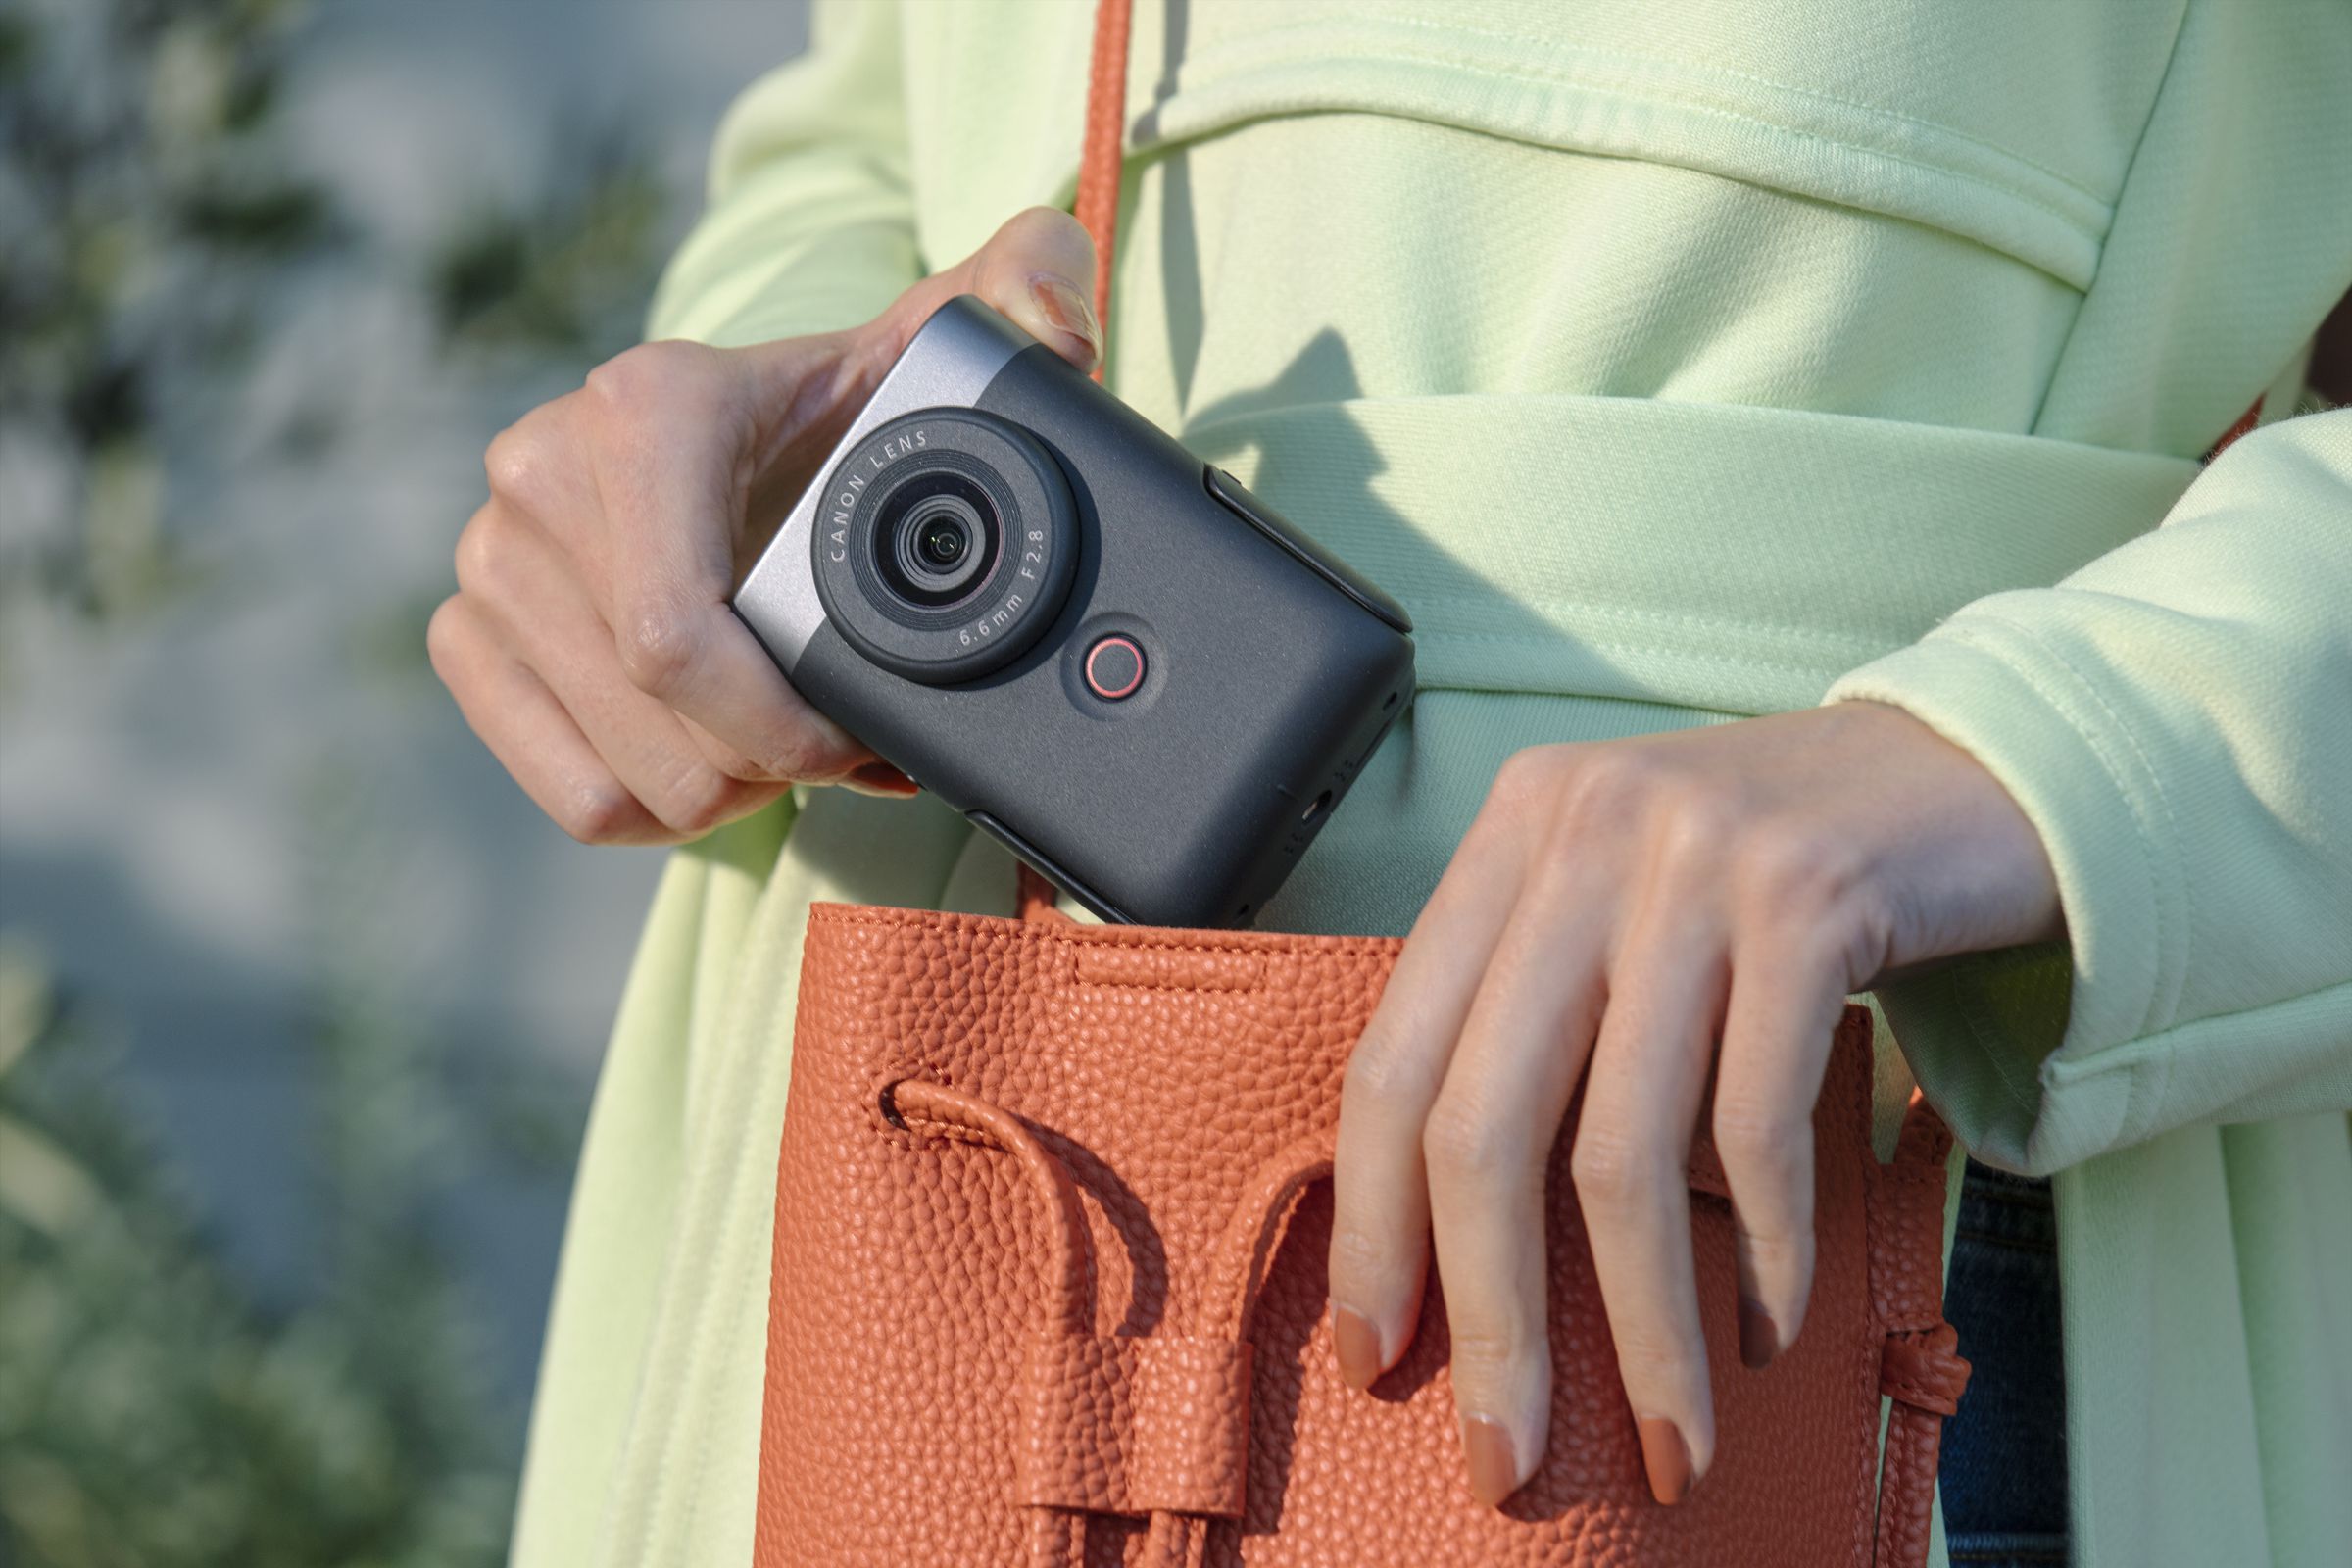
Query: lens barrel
(945, 542)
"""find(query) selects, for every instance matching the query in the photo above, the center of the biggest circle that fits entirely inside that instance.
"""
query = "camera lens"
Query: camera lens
(944, 542)
(935, 541)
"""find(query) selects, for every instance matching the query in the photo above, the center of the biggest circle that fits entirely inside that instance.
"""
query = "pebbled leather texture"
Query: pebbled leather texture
(1049, 1287)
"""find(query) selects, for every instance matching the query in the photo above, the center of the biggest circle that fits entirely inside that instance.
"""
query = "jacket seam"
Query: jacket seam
(1836, 641)
(2126, 1056)
(1826, 673)
(2123, 190)
(2154, 838)
(1814, 94)
(1567, 76)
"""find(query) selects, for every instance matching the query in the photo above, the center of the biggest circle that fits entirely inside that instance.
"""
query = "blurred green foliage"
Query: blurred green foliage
(155, 1411)
(151, 1415)
(153, 210)
(564, 275)
(147, 210)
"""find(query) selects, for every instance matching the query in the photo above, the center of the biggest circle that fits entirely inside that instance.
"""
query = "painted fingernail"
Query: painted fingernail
(880, 778)
(1069, 311)
(1759, 1336)
(1355, 1346)
(1493, 1468)
(1667, 1458)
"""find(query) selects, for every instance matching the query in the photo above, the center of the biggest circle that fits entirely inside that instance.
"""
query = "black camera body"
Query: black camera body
(1108, 655)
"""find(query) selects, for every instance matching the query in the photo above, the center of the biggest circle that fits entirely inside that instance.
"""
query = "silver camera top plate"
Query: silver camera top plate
(948, 365)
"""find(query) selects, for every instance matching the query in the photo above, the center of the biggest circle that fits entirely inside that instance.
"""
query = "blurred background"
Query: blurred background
(300, 1001)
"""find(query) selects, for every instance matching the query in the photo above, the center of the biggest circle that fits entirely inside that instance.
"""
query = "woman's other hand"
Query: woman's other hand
(590, 643)
(1655, 917)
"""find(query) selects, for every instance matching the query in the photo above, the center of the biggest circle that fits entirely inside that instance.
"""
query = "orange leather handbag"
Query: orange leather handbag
(1049, 1287)
(1048, 1271)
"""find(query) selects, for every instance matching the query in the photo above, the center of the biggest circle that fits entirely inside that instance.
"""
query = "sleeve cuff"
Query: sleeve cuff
(1982, 1036)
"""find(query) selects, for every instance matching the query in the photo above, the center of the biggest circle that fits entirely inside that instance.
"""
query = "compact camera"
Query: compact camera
(1102, 650)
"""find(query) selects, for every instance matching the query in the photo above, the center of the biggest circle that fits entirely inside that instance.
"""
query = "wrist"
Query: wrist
(1962, 866)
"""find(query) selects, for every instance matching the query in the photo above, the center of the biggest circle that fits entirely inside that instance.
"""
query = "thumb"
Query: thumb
(1038, 270)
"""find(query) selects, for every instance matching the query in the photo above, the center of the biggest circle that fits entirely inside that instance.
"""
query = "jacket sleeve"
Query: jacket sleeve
(809, 224)
(2177, 720)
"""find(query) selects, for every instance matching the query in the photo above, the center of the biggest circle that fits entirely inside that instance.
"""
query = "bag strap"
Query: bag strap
(1921, 1371)
(1099, 160)
(1036, 897)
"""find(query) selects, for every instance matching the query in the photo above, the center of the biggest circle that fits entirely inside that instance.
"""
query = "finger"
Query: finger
(541, 474)
(1038, 270)
(876, 778)
(544, 617)
(882, 780)
(675, 430)
(1488, 1143)
(1630, 1168)
(528, 730)
(537, 471)
(1379, 1219)
(726, 759)
(1777, 1031)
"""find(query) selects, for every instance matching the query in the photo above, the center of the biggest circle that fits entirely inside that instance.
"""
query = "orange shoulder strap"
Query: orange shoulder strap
(1099, 161)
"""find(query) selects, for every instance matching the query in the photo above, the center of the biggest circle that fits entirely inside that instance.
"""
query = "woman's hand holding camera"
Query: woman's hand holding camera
(1675, 922)
(590, 643)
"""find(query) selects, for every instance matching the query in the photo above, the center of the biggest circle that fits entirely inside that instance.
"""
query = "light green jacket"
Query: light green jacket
(1670, 361)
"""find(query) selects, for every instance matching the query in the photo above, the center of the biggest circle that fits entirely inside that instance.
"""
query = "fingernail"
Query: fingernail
(1493, 1468)
(1355, 1346)
(1667, 1458)
(1069, 311)
(880, 778)
(1759, 1336)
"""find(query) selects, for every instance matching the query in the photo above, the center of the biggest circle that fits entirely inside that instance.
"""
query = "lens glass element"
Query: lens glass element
(935, 542)
(944, 542)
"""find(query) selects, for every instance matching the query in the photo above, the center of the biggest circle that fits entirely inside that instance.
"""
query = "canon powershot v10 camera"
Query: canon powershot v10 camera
(1104, 653)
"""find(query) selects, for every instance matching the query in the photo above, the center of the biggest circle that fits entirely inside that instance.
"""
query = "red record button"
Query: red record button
(1114, 667)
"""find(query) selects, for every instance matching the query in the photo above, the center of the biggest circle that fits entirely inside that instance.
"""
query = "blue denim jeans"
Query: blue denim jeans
(2003, 1474)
